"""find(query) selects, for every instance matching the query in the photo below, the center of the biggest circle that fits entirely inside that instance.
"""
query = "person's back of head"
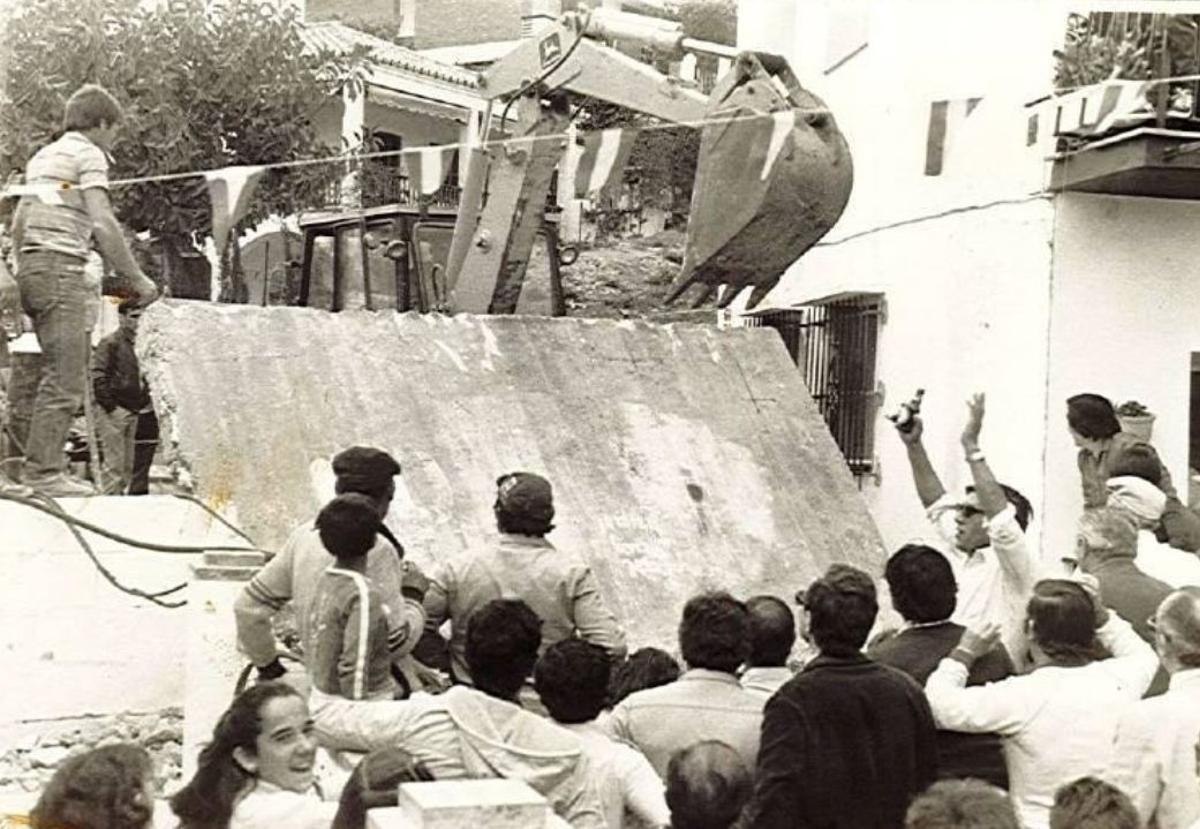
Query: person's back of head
(714, 632)
(89, 107)
(571, 679)
(1092, 416)
(922, 584)
(772, 631)
(707, 785)
(1177, 629)
(961, 804)
(104, 788)
(1137, 461)
(1089, 803)
(841, 609)
(645, 668)
(524, 504)
(367, 471)
(1062, 621)
(1105, 534)
(347, 526)
(503, 638)
(1142, 502)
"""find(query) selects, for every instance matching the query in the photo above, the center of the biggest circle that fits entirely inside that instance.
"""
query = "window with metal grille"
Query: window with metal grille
(833, 344)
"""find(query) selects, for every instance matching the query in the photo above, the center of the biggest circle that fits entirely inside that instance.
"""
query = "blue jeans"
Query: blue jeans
(55, 295)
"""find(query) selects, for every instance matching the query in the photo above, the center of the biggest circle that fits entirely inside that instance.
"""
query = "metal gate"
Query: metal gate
(833, 344)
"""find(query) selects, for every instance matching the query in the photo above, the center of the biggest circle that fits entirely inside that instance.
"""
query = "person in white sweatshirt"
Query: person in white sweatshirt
(1155, 759)
(1059, 720)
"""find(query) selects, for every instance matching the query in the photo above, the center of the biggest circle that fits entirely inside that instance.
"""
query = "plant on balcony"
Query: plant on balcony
(1132, 408)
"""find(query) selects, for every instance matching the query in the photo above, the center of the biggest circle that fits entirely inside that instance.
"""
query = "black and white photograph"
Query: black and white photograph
(606, 414)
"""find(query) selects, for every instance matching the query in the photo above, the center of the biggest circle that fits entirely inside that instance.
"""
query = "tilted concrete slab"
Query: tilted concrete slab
(79, 645)
(682, 457)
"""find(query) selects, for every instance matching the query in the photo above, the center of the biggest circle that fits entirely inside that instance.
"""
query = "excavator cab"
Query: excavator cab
(394, 257)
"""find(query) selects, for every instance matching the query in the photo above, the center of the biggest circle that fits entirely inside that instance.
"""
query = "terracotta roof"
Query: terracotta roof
(338, 37)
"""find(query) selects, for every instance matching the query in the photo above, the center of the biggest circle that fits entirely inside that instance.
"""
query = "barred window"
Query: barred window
(833, 344)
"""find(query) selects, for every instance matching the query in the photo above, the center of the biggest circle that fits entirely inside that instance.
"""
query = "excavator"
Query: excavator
(762, 197)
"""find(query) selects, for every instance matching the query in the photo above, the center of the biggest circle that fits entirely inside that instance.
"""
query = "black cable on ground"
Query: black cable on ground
(54, 509)
(221, 518)
(73, 521)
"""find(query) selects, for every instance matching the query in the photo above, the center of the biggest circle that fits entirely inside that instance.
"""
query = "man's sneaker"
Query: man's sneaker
(60, 486)
(8, 487)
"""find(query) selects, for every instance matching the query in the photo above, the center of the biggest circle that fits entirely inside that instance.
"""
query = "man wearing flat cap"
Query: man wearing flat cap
(559, 586)
(293, 575)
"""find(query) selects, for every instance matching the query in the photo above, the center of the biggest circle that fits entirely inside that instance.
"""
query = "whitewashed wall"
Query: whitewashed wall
(1126, 302)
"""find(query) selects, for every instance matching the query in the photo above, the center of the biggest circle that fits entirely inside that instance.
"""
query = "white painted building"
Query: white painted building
(979, 278)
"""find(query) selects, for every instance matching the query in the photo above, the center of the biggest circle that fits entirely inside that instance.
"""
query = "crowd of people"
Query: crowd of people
(1022, 690)
(1018, 692)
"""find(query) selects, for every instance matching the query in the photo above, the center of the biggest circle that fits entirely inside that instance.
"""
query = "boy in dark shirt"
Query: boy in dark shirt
(924, 592)
(349, 627)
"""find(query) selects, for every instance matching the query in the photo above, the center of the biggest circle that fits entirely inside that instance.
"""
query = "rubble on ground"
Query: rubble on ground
(629, 279)
(29, 762)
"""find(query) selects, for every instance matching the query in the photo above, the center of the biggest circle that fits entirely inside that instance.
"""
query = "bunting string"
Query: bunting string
(413, 152)
(1081, 111)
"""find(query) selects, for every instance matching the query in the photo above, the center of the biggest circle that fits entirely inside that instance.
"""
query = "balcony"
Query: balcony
(383, 184)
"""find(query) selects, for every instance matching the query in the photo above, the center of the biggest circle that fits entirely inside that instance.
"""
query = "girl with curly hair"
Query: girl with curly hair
(111, 787)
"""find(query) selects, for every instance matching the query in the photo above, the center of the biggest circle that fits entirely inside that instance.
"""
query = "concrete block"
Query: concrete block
(683, 457)
(213, 662)
(80, 645)
(449, 804)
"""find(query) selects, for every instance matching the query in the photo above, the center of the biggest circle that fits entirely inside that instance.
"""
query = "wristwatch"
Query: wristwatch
(976, 456)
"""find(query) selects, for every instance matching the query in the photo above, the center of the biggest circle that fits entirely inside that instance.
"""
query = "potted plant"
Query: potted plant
(1135, 419)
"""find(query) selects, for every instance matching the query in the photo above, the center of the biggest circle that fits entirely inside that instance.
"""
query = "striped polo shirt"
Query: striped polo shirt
(63, 225)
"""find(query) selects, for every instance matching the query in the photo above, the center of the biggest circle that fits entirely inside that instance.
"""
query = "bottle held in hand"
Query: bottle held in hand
(904, 416)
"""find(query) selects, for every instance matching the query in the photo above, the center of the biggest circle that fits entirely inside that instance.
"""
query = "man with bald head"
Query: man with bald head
(1156, 741)
(772, 634)
(708, 784)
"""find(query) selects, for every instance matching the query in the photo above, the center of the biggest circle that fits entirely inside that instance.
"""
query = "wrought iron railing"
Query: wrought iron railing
(834, 346)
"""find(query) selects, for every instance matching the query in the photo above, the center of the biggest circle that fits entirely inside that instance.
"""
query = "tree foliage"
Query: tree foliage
(203, 85)
(663, 160)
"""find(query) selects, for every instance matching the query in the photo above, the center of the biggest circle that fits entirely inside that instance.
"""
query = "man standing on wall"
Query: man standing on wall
(53, 232)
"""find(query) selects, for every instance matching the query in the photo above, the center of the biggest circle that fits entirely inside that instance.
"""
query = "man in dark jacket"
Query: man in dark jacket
(847, 743)
(1106, 550)
(123, 398)
(924, 591)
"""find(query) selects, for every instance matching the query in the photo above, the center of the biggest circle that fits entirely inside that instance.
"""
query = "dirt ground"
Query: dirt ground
(629, 279)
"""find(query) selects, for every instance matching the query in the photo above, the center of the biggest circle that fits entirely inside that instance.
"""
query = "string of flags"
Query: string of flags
(1081, 113)
(603, 156)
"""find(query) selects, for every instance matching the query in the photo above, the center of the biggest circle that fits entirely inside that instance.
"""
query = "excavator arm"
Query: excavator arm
(773, 175)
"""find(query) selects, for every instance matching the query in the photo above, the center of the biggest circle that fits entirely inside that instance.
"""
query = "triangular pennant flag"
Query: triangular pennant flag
(587, 161)
(1096, 109)
(429, 171)
(782, 123)
(48, 193)
(604, 156)
(230, 190)
(945, 118)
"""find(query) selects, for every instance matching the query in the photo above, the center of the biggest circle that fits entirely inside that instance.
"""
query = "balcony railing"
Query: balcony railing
(381, 184)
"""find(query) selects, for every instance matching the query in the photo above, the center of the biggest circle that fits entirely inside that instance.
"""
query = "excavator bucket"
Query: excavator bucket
(774, 174)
